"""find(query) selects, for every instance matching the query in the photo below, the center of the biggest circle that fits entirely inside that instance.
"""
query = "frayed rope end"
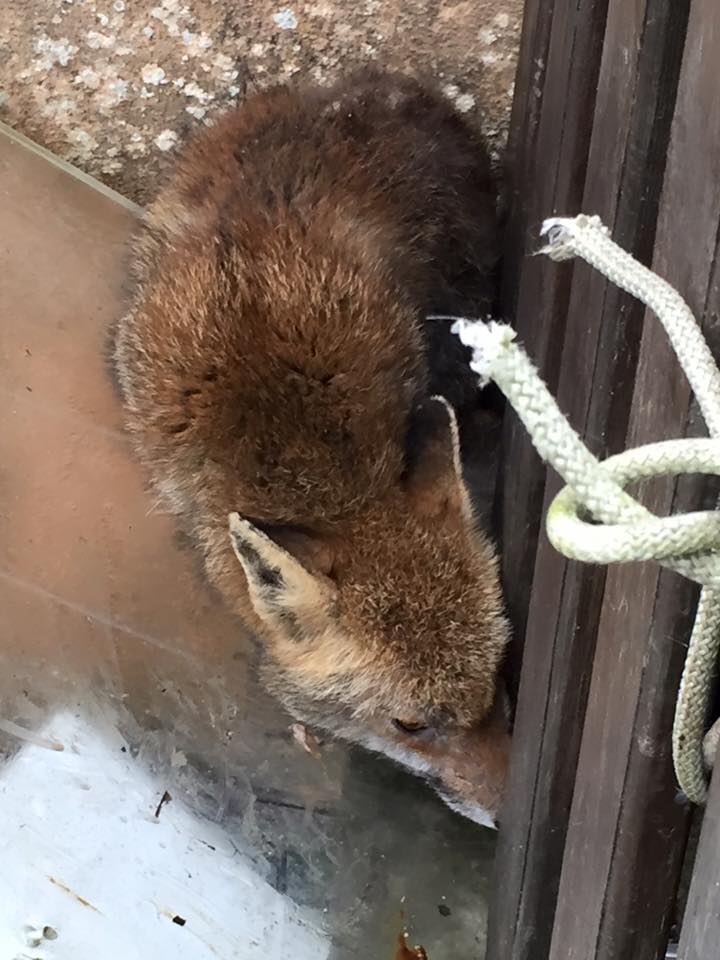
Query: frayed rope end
(488, 342)
(561, 231)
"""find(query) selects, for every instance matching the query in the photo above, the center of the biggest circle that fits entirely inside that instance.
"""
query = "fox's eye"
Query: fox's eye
(410, 726)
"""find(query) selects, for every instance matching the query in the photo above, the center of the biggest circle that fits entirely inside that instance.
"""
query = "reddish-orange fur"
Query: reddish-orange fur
(276, 364)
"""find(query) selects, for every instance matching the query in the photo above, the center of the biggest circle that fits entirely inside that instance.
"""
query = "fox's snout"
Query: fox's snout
(468, 768)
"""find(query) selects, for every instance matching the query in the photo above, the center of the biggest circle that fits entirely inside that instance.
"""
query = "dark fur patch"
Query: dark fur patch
(268, 577)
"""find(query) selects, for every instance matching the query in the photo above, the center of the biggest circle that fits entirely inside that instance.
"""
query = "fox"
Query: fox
(296, 409)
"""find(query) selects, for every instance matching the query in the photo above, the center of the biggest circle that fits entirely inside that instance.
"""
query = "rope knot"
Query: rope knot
(690, 543)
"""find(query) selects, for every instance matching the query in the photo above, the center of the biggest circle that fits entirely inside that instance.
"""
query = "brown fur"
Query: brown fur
(277, 364)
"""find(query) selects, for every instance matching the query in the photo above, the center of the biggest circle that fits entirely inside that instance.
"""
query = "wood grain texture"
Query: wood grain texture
(566, 38)
(587, 349)
(701, 926)
(627, 831)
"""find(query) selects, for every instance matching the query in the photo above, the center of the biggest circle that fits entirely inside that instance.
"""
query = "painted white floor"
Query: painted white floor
(88, 871)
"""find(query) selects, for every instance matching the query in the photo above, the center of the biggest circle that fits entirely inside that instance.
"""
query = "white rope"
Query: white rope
(627, 531)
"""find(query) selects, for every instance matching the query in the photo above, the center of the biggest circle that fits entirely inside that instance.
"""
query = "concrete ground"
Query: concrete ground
(114, 85)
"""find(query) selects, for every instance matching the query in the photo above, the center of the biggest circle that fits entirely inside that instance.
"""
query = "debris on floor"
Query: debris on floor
(404, 952)
(307, 740)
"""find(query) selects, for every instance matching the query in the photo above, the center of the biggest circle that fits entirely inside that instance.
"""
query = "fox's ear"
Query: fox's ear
(433, 476)
(287, 569)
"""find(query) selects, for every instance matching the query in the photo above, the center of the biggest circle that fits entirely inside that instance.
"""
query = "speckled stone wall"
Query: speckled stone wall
(115, 85)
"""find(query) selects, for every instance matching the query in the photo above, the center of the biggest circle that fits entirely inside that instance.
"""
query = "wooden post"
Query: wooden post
(627, 830)
(562, 43)
(585, 336)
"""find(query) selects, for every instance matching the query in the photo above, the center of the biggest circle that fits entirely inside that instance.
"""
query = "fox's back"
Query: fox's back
(277, 347)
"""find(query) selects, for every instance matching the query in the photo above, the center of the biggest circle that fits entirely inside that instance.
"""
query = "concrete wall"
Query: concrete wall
(114, 85)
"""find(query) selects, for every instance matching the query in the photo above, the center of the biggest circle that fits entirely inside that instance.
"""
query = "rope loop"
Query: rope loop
(594, 519)
(683, 542)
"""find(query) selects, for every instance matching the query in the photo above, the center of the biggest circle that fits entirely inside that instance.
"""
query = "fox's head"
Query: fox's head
(389, 631)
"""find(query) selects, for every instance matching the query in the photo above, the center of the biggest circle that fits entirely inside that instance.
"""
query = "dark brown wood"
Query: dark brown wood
(627, 832)
(521, 169)
(550, 176)
(557, 143)
(596, 352)
(653, 825)
(700, 939)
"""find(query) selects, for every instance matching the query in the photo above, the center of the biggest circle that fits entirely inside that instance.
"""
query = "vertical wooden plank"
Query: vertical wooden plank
(653, 826)
(569, 47)
(524, 177)
(554, 169)
(637, 81)
(522, 142)
(700, 937)
(626, 832)
(652, 823)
